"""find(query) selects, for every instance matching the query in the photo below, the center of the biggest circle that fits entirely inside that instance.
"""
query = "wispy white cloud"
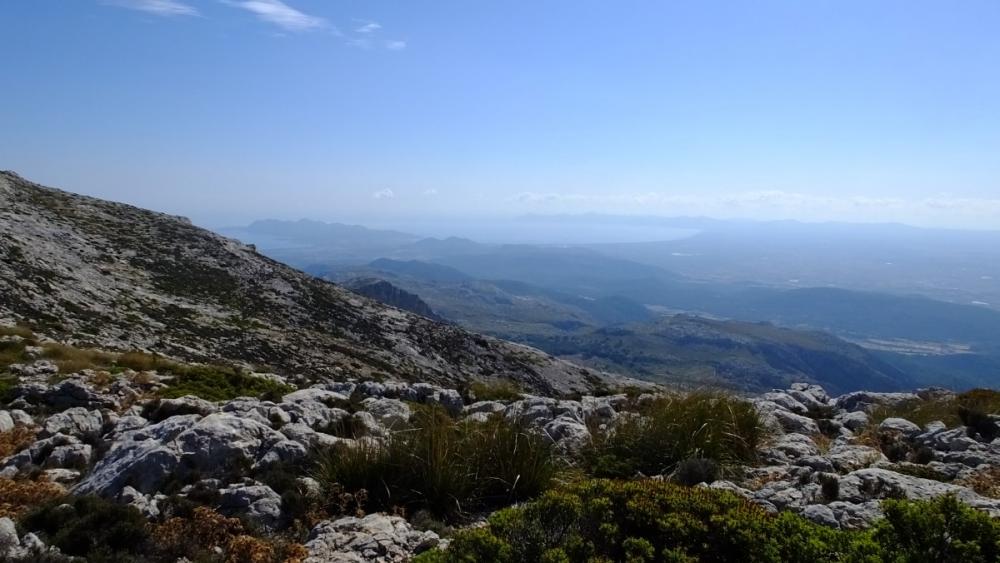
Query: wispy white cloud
(156, 7)
(384, 194)
(431, 192)
(395, 45)
(367, 26)
(280, 14)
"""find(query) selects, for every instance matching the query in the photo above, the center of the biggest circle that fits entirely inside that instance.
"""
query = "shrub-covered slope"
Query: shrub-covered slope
(87, 270)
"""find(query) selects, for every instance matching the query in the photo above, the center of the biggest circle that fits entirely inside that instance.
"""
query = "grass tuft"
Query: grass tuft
(449, 468)
(703, 425)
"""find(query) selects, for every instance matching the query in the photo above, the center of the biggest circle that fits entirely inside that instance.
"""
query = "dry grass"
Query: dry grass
(17, 497)
(102, 379)
(71, 359)
(22, 331)
(823, 443)
(922, 412)
(15, 440)
(141, 361)
(207, 530)
(985, 482)
(142, 379)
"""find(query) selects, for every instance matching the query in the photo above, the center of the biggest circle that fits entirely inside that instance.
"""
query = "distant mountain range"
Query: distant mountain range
(534, 293)
(94, 272)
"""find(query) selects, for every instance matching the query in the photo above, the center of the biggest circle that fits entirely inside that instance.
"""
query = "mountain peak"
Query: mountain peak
(91, 271)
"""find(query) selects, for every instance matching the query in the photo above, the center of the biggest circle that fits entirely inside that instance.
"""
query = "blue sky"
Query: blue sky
(361, 111)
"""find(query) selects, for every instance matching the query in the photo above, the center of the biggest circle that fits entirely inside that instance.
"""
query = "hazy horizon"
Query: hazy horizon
(378, 113)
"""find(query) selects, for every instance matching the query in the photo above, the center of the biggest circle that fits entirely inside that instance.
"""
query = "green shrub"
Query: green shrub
(829, 486)
(658, 521)
(642, 521)
(980, 424)
(90, 527)
(7, 385)
(444, 466)
(11, 353)
(710, 426)
(696, 470)
(943, 530)
(220, 383)
(493, 391)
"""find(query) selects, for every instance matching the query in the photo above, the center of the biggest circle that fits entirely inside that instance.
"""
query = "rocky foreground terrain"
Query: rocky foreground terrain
(92, 432)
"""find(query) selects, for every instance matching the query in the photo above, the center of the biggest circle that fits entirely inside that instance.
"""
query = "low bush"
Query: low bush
(639, 521)
(943, 530)
(922, 471)
(493, 391)
(696, 470)
(201, 536)
(7, 385)
(90, 527)
(21, 495)
(713, 426)
(11, 353)
(443, 466)
(830, 486)
(980, 424)
(220, 383)
(985, 482)
(15, 440)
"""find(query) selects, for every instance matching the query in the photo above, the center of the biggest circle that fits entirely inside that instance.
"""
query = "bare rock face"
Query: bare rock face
(213, 445)
(376, 537)
(126, 278)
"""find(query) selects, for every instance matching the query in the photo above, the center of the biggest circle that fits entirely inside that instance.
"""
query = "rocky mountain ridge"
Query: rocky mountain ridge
(86, 270)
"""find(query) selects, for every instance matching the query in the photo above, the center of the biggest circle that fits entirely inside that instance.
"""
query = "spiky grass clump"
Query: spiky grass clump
(443, 466)
(703, 425)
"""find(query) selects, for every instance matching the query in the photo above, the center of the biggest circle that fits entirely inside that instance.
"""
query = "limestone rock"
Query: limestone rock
(375, 538)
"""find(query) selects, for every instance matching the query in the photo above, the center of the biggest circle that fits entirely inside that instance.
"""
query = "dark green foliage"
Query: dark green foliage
(923, 455)
(12, 352)
(642, 521)
(980, 424)
(90, 527)
(894, 446)
(944, 531)
(657, 521)
(711, 426)
(218, 383)
(495, 391)
(444, 466)
(696, 470)
(829, 486)
(922, 471)
(7, 384)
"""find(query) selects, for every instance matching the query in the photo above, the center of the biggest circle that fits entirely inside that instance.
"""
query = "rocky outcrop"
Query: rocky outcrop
(376, 537)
